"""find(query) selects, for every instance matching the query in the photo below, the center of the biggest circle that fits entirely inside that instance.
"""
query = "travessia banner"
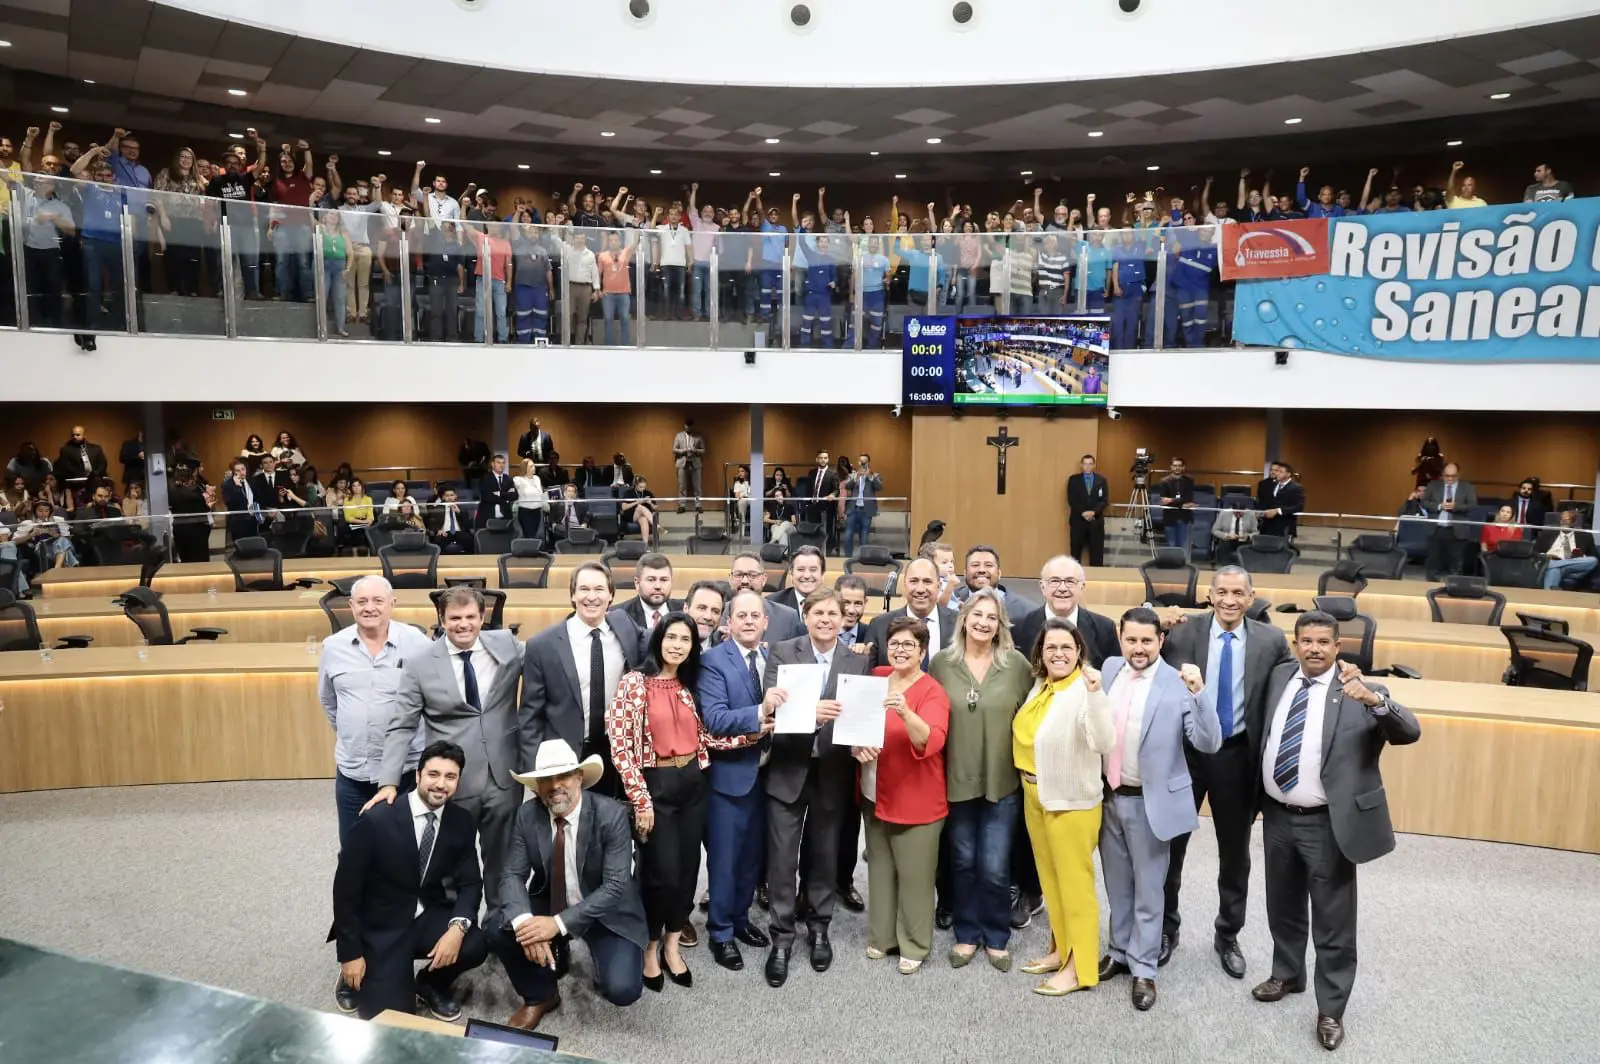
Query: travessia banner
(1254, 251)
(1512, 283)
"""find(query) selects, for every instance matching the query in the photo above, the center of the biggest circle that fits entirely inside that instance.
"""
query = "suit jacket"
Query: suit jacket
(69, 462)
(605, 871)
(131, 457)
(1081, 498)
(635, 609)
(379, 879)
(1290, 498)
(236, 502)
(1224, 525)
(1099, 633)
(266, 488)
(806, 489)
(1265, 648)
(782, 622)
(608, 475)
(525, 446)
(878, 631)
(1180, 490)
(866, 487)
(730, 704)
(1353, 738)
(1536, 513)
(791, 754)
(428, 691)
(1466, 499)
(789, 599)
(495, 497)
(433, 517)
(552, 698)
(1171, 716)
(1582, 541)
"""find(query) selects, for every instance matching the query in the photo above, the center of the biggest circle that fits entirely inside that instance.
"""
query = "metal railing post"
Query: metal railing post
(319, 286)
(857, 294)
(230, 293)
(1083, 278)
(19, 266)
(1159, 327)
(407, 309)
(640, 277)
(713, 298)
(130, 283)
(785, 277)
(933, 283)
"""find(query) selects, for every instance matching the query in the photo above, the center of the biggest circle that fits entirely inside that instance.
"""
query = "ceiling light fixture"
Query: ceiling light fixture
(899, 177)
(59, 110)
(935, 140)
(1153, 167)
(872, 153)
(432, 121)
(5, 44)
(1293, 121)
(773, 140)
(1096, 133)
(1499, 96)
(1452, 144)
(523, 166)
(384, 152)
(237, 92)
(656, 173)
(607, 133)
(88, 81)
(774, 173)
(236, 136)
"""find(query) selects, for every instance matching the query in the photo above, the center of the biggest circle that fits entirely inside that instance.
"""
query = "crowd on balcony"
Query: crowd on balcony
(588, 263)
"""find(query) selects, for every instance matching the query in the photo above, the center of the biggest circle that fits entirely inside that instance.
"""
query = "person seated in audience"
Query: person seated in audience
(741, 499)
(356, 515)
(551, 474)
(398, 493)
(337, 493)
(15, 497)
(1503, 528)
(1570, 548)
(587, 476)
(569, 513)
(532, 502)
(47, 534)
(778, 479)
(311, 486)
(99, 506)
(1528, 507)
(134, 506)
(287, 451)
(780, 517)
(410, 520)
(620, 474)
(9, 552)
(1235, 524)
(254, 450)
(58, 496)
(29, 464)
(639, 507)
(449, 527)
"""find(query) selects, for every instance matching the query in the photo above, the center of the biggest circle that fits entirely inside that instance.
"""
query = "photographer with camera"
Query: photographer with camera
(1177, 501)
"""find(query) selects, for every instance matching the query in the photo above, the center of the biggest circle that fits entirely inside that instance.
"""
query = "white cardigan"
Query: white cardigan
(1077, 731)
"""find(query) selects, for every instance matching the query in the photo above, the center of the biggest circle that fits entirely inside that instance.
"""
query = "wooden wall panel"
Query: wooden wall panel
(795, 434)
(954, 480)
(49, 425)
(1205, 439)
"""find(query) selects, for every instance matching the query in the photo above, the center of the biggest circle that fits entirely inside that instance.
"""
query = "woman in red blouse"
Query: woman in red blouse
(659, 744)
(1502, 529)
(904, 790)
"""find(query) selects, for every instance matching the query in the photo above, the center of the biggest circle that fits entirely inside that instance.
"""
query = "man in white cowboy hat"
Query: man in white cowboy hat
(568, 875)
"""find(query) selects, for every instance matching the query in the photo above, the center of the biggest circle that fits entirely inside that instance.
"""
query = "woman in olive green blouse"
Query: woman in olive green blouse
(986, 679)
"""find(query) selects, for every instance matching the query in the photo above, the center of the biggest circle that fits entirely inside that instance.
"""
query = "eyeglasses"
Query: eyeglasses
(902, 644)
(747, 574)
(1062, 581)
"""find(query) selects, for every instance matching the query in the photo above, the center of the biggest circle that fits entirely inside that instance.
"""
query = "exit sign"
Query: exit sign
(222, 414)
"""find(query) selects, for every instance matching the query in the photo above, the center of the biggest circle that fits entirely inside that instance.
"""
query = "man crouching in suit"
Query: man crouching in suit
(568, 875)
(1324, 811)
(408, 887)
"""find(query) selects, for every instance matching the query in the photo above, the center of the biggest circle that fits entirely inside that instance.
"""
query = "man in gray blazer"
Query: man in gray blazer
(1447, 501)
(1236, 656)
(465, 687)
(1317, 743)
(1149, 801)
(810, 783)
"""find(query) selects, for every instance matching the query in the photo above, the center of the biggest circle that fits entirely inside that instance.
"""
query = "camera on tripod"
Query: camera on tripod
(1141, 468)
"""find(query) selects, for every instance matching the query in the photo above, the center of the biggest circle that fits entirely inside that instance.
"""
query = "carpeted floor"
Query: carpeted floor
(1469, 951)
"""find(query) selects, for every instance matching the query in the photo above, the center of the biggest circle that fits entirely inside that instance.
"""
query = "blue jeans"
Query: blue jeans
(293, 272)
(333, 278)
(979, 832)
(1178, 533)
(857, 524)
(966, 289)
(1568, 571)
(350, 795)
(616, 306)
(102, 277)
(496, 294)
(699, 286)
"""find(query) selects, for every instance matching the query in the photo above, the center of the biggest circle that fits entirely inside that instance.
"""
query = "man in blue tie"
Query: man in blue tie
(1324, 811)
(1448, 500)
(1236, 656)
(1087, 497)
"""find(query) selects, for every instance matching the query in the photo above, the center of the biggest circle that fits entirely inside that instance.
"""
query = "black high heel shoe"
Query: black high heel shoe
(684, 978)
(657, 981)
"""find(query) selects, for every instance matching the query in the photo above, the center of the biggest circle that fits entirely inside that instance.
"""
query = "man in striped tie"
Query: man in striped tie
(1324, 811)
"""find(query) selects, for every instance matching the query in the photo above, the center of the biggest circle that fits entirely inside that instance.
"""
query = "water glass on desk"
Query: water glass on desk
(313, 644)
(141, 650)
(46, 655)
(211, 592)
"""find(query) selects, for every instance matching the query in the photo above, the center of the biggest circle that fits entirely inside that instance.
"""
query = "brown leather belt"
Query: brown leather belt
(675, 762)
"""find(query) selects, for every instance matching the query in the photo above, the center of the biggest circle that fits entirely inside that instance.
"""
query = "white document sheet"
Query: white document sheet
(861, 720)
(803, 684)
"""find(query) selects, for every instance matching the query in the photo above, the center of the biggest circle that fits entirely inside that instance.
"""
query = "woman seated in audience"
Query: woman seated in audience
(50, 492)
(292, 495)
(344, 472)
(780, 516)
(398, 493)
(287, 451)
(1503, 528)
(134, 506)
(46, 532)
(640, 508)
(903, 794)
(356, 515)
(28, 464)
(15, 497)
(779, 479)
(255, 449)
(531, 501)
(311, 486)
(410, 521)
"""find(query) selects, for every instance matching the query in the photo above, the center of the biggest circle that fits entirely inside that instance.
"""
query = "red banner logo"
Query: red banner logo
(1254, 251)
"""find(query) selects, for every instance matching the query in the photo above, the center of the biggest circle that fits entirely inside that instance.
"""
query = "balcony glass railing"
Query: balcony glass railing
(85, 257)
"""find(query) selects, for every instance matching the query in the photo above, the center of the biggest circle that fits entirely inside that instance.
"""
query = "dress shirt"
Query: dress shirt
(452, 519)
(611, 648)
(579, 266)
(357, 691)
(1214, 672)
(1307, 791)
(1449, 497)
(617, 479)
(1564, 546)
(932, 621)
(440, 206)
(483, 668)
(824, 657)
(419, 823)
(574, 887)
(1134, 728)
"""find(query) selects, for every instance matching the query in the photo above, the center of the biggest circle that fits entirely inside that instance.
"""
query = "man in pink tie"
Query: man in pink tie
(1149, 800)
(652, 578)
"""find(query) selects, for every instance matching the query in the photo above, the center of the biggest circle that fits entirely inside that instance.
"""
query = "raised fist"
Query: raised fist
(1458, 164)
(33, 131)
(301, 145)
(333, 160)
(1245, 172)
(55, 127)
(1304, 172)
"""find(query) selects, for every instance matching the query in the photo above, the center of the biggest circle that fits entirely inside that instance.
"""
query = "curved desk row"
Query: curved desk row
(232, 711)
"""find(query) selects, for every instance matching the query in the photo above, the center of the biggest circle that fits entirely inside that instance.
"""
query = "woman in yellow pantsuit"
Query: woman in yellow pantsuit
(1057, 740)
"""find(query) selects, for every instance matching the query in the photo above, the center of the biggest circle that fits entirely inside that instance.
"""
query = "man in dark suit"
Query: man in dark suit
(620, 473)
(819, 492)
(449, 528)
(568, 875)
(266, 481)
(1236, 656)
(536, 443)
(79, 460)
(496, 492)
(810, 782)
(652, 581)
(1279, 498)
(1088, 495)
(1063, 582)
(734, 702)
(132, 457)
(806, 569)
(747, 572)
(919, 583)
(1527, 507)
(1317, 745)
(567, 513)
(246, 509)
(1571, 551)
(1446, 501)
(408, 887)
(571, 670)
(853, 597)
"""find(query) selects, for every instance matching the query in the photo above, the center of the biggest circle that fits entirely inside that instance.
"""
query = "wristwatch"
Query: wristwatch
(462, 924)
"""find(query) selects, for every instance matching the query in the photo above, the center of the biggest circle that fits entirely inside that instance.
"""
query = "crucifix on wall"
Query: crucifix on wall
(1002, 442)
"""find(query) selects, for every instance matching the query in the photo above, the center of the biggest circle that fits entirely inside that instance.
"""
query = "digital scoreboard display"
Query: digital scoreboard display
(1005, 361)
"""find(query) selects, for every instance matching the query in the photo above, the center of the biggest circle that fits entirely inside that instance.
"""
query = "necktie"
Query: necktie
(558, 873)
(754, 657)
(449, 520)
(1124, 707)
(847, 637)
(469, 680)
(597, 685)
(1286, 769)
(655, 619)
(425, 847)
(817, 494)
(1225, 685)
(1088, 484)
(1238, 522)
(1449, 497)
(1522, 511)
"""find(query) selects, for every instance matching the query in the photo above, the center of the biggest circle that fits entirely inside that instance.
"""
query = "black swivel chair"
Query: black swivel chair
(775, 560)
(709, 541)
(1514, 563)
(494, 602)
(1546, 624)
(336, 603)
(626, 551)
(808, 534)
(878, 567)
(19, 627)
(1543, 658)
(1465, 600)
(1378, 556)
(1169, 579)
(154, 558)
(143, 607)
(410, 562)
(525, 565)
(1267, 554)
(1260, 610)
(1358, 635)
(1343, 579)
(258, 567)
(119, 543)
(580, 540)
(495, 537)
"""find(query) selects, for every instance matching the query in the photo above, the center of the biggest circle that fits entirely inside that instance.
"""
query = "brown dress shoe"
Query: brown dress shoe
(689, 938)
(528, 1016)
(1330, 1032)
(1275, 990)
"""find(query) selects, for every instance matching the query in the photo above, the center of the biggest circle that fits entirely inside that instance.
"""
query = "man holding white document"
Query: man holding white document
(809, 779)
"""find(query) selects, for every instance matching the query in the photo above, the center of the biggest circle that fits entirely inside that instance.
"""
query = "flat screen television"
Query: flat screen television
(1032, 361)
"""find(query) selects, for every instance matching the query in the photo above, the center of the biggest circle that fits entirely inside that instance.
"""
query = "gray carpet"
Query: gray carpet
(1469, 951)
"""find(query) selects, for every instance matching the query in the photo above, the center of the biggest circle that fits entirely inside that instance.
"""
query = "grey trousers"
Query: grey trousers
(689, 484)
(1303, 862)
(810, 822)
(1134, 862)
(494, 810)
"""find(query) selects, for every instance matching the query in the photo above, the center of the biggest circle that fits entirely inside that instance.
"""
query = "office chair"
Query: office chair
(1163, 584)
(1465, 600)
(1358, 634)
(1267, 554)
(144, 608)
(19, 627)
(410, 561)
(1343, 579)
(1542, 658)
(525, 565)
(1379, 557)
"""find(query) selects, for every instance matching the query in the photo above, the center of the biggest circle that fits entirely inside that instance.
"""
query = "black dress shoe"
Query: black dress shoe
(344, 997)
(438, 1001)
(1232, 959)
(1110, 968)
(778, 966)
(821, 951)
(751, 935)
(727, 955)
(851, 899)
(943, 919)
(1144, 993)
(1330, 1032)
(763, 899)
(1275, 990)
(1168, 944)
